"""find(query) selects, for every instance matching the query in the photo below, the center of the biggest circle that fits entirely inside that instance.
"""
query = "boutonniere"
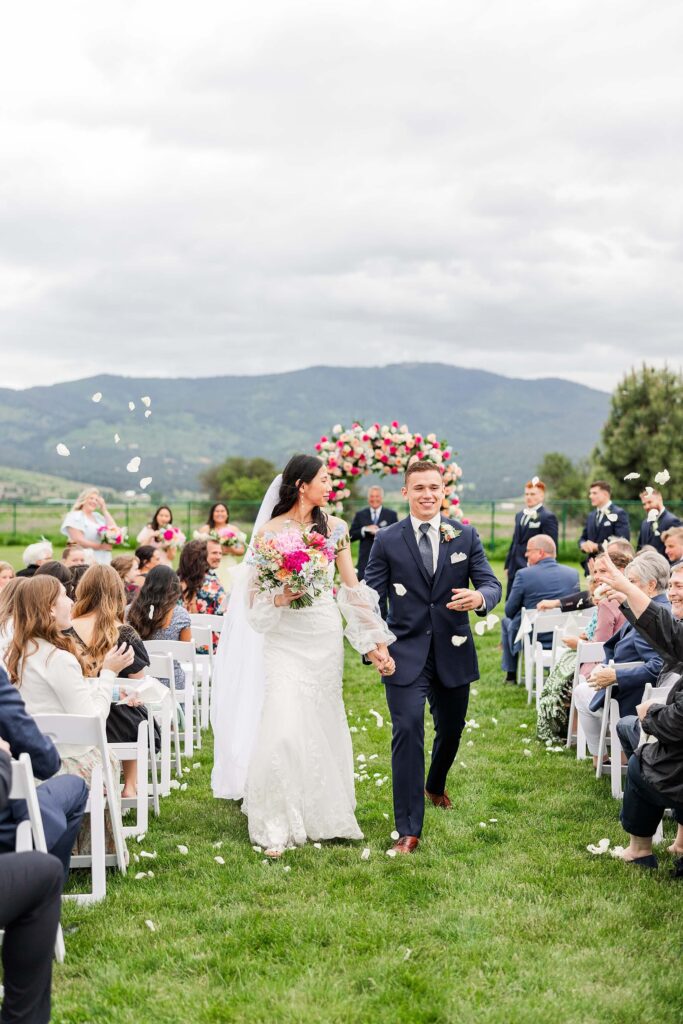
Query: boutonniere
(448, 533)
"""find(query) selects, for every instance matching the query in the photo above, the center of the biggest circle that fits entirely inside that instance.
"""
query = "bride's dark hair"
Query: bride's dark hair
(300, 469)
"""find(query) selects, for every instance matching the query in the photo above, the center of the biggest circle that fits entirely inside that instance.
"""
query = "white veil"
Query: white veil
(238, 678)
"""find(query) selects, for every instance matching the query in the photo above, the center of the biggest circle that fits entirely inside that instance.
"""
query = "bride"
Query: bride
(299, 775)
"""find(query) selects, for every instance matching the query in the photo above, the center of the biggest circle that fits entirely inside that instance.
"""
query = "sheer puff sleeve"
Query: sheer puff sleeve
(365, 627)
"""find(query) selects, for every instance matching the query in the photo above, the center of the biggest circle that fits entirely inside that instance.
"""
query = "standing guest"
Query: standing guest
(157, 615)
(97, 625)
(149, 534)
(34, 555)
(127, 567)
(148, 558)
(219, 519)
(6, 574)
(73, 555)
(543, 578)
(83, 523)
(658, 521)
(60, 572)
(533, 521)
(605, 522)
(673, 545)
(366, 524)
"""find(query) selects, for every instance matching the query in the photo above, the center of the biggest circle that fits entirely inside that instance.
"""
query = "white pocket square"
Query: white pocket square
(458, 556)
(534, 526)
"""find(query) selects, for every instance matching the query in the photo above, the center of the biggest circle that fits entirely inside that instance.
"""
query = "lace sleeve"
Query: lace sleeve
(365, 627)
(262, 614)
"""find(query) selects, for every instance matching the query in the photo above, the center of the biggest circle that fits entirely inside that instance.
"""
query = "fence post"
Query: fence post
(564, 523)
(493, 526)
(189, 521)
(14, 520)
(127, 517)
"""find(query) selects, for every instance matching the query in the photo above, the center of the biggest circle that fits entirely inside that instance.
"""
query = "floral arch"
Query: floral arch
(383, 450)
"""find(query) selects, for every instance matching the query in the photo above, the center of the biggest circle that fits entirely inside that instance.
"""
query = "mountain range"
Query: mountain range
(500, 427)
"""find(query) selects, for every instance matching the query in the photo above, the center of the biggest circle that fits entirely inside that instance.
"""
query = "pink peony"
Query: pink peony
(168, 534)
(465, 522)
(318, 447)
(295, 560)
(395, 424)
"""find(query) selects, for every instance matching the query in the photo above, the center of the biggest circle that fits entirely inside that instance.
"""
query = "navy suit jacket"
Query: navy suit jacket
(651, 533)
(627, 644)
(24, 737)
(544, 522)
(364, 518)
(418, 615)
(605, 530)
(543, 581)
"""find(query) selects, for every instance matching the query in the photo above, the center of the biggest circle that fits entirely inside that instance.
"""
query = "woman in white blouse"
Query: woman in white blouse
(81, 525)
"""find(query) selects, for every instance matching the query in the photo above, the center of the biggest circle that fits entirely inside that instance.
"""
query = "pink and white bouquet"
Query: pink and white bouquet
(117, 536)
(170, 537)
(296, 560)
(227, 536)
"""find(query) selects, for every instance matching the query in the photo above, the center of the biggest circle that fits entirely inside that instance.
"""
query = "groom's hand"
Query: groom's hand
(465, 600)
(382, 660)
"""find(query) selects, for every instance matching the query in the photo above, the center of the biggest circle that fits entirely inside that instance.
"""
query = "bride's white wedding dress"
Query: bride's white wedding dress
(299, 782)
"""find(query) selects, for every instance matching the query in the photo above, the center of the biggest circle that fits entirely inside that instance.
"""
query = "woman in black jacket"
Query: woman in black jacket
(654, 779)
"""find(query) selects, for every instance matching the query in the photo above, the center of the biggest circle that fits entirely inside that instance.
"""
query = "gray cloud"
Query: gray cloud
(257, 189)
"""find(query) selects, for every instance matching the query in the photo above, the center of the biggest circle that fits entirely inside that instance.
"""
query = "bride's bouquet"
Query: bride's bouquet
(296, 560)
(170, 537)
(117, 536)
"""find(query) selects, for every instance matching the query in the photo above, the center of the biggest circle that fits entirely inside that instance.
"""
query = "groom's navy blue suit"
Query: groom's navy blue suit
(429, 666)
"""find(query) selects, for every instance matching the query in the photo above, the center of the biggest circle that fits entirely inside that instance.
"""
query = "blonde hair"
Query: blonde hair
(32, 606)
(101, 593)
(122, 565)
(6, 565)
(82, 497)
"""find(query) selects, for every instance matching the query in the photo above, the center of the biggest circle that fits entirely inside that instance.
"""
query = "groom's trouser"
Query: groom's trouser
(406, 705)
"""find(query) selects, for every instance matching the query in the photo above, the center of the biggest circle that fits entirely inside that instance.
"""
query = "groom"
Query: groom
(423, 565)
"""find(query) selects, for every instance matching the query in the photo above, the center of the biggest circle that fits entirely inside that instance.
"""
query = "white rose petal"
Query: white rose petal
(463, 765)
(653, 515)
(491, 621)
(474, 691)
(174, 784)
(138, 839)
(480, 628)
(386, 817)
(116, 438)
(145, 482)
(149, 856)
(482, 824)
(353, 728)
(663, 477)
(365, 855)
(458, 641)
(287, 867)
(140, 874)
(131, 406)
(494, 820)
(406, 955)
(146, 400)
(380, 782)
(219, 860)
(373, 757)
(134, 464)
(136, 858)
(391, 853)
(361, 757)
(256, 849)
(524, 726)
(182, 849)
(97, 397)
(598, 848)
(395, 835)
(151, 925)
(150, 874)
(183, 787)
(218, 845)
(527, 753)
(495, 721)
(632, 476)
(148, 413)
(534, 480)
(616, 851)
(63, 450)
(317, 846)
(470, 743)
(398, 587)
(378, 718)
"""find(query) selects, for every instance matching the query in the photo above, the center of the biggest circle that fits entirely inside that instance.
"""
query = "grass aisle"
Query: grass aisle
(514, 922)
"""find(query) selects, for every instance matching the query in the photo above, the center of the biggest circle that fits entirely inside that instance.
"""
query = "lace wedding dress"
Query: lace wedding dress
(299, 782)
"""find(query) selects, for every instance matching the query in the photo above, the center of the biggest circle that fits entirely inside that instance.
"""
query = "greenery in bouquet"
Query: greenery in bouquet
(296, 560)
(117, 536)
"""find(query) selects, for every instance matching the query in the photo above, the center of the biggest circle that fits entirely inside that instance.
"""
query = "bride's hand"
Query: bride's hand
(286, 597)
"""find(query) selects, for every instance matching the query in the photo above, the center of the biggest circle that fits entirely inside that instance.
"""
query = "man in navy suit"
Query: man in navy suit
(658, 521)
(673, 545)
(605, 522)
(366, 524)
(532, 521)
(424, 565)
(543, 578)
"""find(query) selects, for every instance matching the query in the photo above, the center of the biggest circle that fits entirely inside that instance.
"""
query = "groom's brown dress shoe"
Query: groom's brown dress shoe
(406, 844)
(441, 801)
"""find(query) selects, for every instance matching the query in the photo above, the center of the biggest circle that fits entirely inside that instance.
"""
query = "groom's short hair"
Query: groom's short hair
(421, 466)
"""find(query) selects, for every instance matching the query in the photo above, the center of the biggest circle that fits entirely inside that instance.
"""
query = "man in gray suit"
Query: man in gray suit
(543, 579)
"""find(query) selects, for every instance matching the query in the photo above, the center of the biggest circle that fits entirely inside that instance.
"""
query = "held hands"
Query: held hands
(131, 699)
(118, 658)
(284, 599)
(602, 677)
(465, 600)
(382, 660)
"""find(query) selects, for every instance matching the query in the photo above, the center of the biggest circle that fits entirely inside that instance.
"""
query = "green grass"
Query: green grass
(512, 923)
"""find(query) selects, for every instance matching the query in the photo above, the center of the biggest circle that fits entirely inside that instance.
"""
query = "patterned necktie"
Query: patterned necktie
(425, 546)
(374, 517)
(598, 518)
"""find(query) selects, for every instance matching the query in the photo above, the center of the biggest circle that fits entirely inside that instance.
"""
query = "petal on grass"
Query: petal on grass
(391, 853)
(365, 855)
(598, 848)
(378, 718)
(219, 860)
(395, 835)
(182, 849)
(151, 925)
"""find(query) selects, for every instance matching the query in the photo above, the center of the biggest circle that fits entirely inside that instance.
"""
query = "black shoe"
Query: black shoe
(511, 677)
(649, 862)
(678, 868)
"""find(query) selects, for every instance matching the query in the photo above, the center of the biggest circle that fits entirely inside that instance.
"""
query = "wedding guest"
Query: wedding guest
(582, 598)
(34, 555)
(6, 574)
(658, 521)
(149, 534)
(650, 573)
(673, 545)
(533, 521)
(148, 558)
(231, 553)
(127, 567)
(97, 626)
(202, 593)
(367, 522)
(7, 598)
(83, 523)
(543, 578)
(73, 555)
(157, 615)
(77, 574)
(605, 522)
(60, 572)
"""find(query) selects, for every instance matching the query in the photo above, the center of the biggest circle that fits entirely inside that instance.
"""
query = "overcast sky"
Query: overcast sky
(191, 189)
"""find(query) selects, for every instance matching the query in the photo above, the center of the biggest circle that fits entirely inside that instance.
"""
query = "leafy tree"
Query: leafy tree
(239, 479)
(566, 480)
(643, 432)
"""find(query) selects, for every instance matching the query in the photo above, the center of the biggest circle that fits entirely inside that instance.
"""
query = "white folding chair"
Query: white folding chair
(610, 717)
(138, 752)
(587, 651)
(182, 651)
(161, 667)
(30, 833)
(89, 731)
(202, 627)
(541, 657)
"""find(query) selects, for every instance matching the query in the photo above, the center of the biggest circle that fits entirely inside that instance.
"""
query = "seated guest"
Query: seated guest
(605, 522)
(82, 525)
(62, 798)
(60, 572)
(30, 905)
(582, 598)
(654, 780)
(658, 521)
(650, 573)
(149, 534)
(202, 593)
(366, 523)
(6, 574)
(533, 521)
(77, 574)
(34, 555)
(148, 557)
(156, 614)
(7, 613)
(673, 545)
(97, 625)
(544, 577)
(73, 555)
(127, 568)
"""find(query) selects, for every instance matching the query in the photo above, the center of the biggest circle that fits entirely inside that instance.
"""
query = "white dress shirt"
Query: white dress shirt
(528, 513)
(602, 511)
(376, 516)
(433, 535)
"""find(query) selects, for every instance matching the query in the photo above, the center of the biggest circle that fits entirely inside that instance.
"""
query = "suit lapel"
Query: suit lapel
(409, 538)
(441, 560)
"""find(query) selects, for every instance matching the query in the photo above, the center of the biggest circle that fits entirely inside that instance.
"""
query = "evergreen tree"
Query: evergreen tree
(239, 479)
(566, 480)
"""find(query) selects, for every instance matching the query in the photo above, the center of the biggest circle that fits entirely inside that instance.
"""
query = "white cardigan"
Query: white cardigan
(52, 683)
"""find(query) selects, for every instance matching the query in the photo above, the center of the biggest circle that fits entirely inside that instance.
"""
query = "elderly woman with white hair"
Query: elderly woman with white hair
(649, 572)
(84, 522)
(35, 555)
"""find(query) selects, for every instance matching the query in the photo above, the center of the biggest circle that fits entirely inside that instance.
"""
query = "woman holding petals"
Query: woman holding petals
(85, 522)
